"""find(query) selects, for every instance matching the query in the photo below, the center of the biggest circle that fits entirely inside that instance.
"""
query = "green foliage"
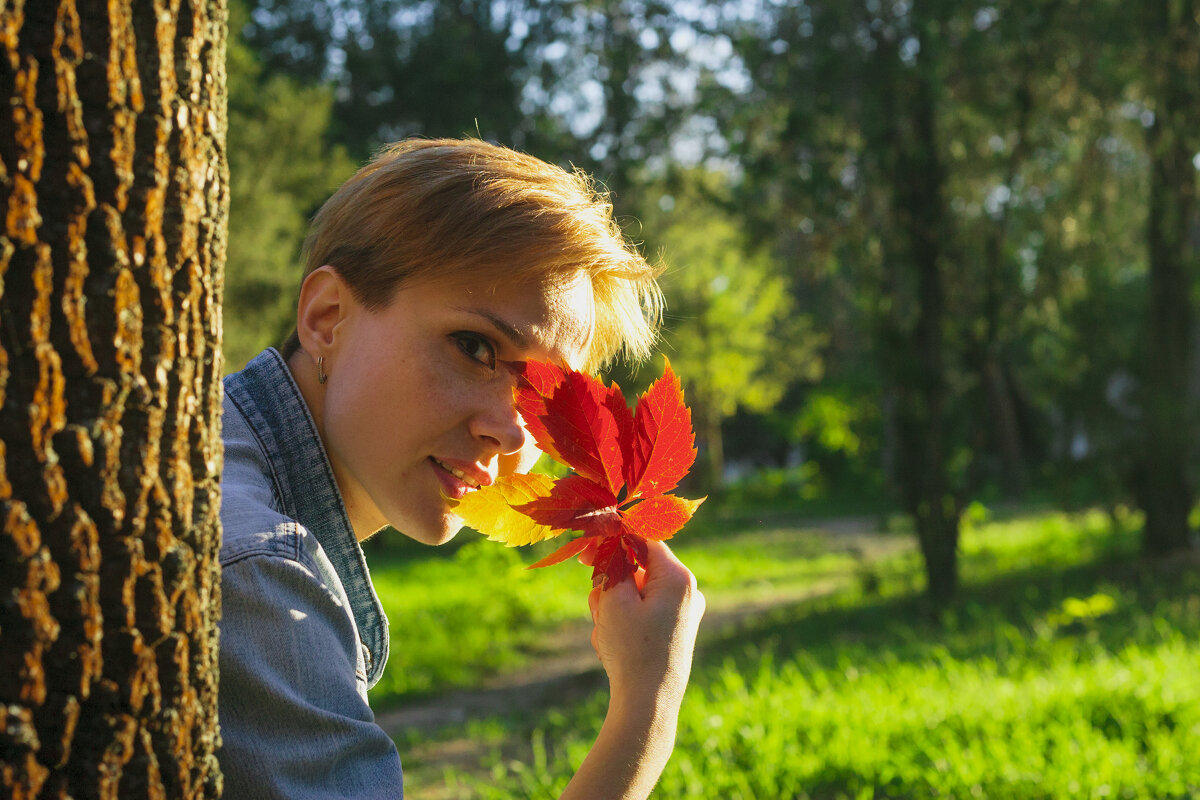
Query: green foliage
(440, 69)
(1008, 145)
(281, 169)
(731, 330)
(830, 422)
(778, 487)
(1066, 671)
(568, 81)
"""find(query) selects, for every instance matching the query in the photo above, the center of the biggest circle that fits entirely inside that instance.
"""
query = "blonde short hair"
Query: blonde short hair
(446, 207)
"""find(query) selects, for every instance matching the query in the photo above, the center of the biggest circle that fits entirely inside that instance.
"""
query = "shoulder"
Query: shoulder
(294, 714)
(279, 606)
(251, 519)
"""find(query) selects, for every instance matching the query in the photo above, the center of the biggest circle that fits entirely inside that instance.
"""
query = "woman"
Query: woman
(435, 262)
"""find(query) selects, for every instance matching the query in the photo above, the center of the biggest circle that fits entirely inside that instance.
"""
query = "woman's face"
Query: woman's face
(417, 408)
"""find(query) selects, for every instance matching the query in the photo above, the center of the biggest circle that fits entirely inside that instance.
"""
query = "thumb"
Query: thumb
(662, 564)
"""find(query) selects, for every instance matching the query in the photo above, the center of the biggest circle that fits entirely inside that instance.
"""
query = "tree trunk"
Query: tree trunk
(711, 427)
(113, 189)
(914, 346)
(1165, 491)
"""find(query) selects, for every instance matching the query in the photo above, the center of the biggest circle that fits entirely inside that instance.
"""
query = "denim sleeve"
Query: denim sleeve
(294, 721)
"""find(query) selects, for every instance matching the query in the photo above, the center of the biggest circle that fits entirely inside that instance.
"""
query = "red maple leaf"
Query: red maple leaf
(625, 463)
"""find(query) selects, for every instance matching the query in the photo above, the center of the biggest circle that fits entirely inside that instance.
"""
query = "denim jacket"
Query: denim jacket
(303, 635)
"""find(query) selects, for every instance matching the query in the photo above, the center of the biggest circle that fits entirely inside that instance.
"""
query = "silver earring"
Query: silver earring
(321, 376)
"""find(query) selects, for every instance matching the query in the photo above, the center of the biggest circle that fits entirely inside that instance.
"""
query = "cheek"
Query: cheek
(375, 421)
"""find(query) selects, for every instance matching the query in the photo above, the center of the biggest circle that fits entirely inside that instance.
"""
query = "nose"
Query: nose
(498, 424)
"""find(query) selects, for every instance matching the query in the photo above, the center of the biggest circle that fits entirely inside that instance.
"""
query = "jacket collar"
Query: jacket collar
(268, 396)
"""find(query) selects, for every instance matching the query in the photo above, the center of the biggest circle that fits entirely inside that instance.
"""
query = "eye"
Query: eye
(476, 347)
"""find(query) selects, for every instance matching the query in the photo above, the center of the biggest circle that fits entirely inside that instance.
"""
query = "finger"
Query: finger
(660, 561)
(594, 603)
(658, 551)
(620, 597)
(665, 574)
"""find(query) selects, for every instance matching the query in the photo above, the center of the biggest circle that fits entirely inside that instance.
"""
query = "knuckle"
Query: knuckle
(686, 582)
(690, 581)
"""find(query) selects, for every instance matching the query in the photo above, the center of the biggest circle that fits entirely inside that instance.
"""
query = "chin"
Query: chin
(440, 534)
(426, 529)
(453, 526)
(444, 537)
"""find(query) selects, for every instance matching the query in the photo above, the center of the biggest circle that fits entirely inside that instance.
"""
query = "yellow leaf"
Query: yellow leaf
(490, 510)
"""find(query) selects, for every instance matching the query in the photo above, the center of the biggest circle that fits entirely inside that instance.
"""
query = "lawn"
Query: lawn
(461, 614)
(1067, 670)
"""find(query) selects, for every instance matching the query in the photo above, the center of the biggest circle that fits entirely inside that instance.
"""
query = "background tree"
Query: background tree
(113, 183)
(903, 139)
(1172, 47)
(957, 192)
(282, 167)
(398, 67)
(867, 179)
(730, 327)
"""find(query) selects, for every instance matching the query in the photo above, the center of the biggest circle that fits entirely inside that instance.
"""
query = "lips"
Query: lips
(458, 480)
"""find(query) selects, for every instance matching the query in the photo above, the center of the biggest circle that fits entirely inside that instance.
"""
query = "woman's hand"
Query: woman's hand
(645, 634)
(645, 629)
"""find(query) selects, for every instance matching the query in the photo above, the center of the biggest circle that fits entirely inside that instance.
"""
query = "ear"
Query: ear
(325, 301)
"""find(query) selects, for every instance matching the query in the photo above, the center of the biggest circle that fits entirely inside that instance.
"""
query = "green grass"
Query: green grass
(1067, 670)
(454, 621)
(461, 615)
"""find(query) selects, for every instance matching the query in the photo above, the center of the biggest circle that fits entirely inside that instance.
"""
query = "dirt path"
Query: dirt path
(571, 672)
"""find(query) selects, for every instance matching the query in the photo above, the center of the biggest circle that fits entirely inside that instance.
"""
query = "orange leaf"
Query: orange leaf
(659, 518)
(571, 548)
(617, 558)
(575, 502)
(580, 423)
(536, 383)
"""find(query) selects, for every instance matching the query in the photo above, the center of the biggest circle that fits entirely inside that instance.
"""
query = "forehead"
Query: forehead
(552, 319)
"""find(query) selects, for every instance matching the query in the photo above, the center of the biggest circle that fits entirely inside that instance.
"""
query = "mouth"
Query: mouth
(457, 473)
(456, 482)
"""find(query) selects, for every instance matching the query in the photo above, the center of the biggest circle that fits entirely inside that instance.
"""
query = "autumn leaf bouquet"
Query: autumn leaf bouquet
(624, 461)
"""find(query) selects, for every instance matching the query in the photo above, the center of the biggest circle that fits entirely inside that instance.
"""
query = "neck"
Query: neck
(365, 518)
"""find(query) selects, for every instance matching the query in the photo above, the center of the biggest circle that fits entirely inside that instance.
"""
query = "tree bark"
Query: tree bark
(113, 189)
(1166, 488)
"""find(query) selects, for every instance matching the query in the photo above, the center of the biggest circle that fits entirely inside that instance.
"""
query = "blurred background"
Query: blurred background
(931, 270)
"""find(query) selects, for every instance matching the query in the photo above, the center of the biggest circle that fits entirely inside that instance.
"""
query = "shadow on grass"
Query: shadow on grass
(990, 618)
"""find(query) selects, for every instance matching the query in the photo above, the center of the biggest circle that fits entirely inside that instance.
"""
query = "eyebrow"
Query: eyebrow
(512, 334)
